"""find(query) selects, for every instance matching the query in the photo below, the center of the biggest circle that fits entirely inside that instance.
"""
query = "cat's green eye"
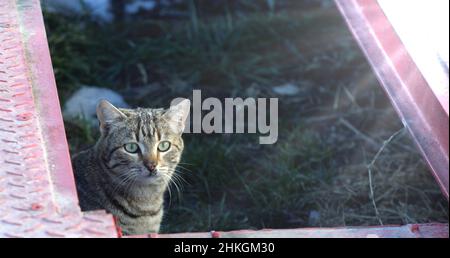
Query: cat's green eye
(131, 147)
(164, 146)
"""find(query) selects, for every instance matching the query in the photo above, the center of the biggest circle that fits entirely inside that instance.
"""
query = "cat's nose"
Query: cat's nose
(151, 166)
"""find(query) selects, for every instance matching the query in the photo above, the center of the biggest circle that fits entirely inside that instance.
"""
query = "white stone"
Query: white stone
(83, 103)
(100, 9)
(286, 89)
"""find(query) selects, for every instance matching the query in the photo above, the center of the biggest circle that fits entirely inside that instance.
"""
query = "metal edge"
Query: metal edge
(433, 230)
(47, 104)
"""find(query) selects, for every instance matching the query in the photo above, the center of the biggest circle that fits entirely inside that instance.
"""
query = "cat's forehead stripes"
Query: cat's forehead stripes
(139, 134)
(146, 124)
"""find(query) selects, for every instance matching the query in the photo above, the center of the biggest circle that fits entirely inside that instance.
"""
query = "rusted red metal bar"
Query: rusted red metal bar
(423, 109)
(407, 231)
(37, 190)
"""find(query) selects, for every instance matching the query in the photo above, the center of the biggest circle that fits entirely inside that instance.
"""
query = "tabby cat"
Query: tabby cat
(129, 168)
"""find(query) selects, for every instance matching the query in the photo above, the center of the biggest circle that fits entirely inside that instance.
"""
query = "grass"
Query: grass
(317, 172)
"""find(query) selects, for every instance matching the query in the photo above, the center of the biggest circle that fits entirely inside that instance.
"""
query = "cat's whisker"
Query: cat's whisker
(179, 177)
(177, 181)
(179, 174)
(170, 192)
(124, 178)
(188, 170)
(125, 185)
(130, 186)
(178, 189)
(178, 185)
(168, 183)
(184, 163)
(173, 179)
(131, 174)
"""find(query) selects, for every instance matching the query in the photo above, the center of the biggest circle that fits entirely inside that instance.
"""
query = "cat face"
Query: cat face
(141, 147)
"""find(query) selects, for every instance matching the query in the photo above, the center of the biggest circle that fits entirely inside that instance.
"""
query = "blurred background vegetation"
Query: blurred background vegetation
(329, 130)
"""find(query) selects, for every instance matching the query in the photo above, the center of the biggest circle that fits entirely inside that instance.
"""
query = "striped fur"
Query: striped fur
(108, 177)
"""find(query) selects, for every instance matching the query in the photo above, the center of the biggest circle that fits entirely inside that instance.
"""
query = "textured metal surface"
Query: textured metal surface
(419, 106)
(37, 190)
(406, 231)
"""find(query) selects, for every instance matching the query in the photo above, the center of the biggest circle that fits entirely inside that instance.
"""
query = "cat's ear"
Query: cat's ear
(177, 114)
(108, 114)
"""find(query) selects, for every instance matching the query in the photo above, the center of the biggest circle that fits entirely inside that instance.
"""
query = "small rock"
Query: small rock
(100, 9)
(286, 89)
(83, 103)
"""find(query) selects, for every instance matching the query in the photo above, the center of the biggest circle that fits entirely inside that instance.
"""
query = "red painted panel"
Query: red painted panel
(407, 231)
(37, 190)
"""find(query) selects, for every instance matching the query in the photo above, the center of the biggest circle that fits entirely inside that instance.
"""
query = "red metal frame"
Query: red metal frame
(435, 230)
(37, 190)
(416, 103)
(48, 109)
